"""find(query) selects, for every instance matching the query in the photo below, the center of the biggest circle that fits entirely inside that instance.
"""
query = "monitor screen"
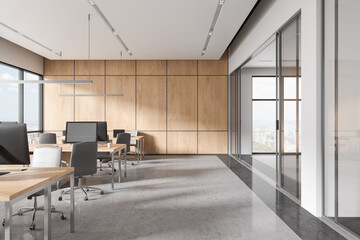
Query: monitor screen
(81, 132)
(117, 131)
(14, 146)
(102, 131)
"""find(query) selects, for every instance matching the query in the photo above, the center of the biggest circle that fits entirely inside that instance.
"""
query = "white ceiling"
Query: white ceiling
(158, 29)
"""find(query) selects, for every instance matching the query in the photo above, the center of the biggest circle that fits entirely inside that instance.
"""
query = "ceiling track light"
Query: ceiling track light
(112, 29)
(212, 26)
(29, 38)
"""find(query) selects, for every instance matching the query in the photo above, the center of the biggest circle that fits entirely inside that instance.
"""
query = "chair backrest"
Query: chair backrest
(83, 158)
(47, 138)
(124, 138)
(117, 131)
(47, 156)
(134, 132)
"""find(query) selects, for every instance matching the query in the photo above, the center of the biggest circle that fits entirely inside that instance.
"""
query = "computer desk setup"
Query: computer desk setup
(15, 159)
(14, 150)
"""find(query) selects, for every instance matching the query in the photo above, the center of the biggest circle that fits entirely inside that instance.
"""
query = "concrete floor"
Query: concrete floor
(165, 197)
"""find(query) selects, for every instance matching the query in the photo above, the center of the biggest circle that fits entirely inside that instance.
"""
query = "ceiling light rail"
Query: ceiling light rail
(29, 38)
(212, 27)
(112, 29)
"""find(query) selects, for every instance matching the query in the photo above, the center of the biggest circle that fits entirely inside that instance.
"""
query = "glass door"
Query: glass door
(289, 104)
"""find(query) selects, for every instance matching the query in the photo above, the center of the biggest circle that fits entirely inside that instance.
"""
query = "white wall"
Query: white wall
(15, 55)
(267, 19)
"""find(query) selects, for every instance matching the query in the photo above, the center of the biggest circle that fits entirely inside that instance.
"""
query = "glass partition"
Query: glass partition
(342, 113)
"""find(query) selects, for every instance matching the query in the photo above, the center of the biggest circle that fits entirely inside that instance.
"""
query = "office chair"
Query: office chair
(47, 138)
(104, 157)
(47, 156)
(83, 159)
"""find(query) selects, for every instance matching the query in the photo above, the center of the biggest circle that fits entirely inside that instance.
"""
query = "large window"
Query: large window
(264, 114)
(20, 102)
(9, 95)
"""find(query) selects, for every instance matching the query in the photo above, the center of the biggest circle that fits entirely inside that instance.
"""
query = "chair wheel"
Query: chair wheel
(32, 226)
(3, 222)
(102, 193)
(133, 164)
(86, 198)
(60, 198)
(63, 217)
(87, 190)
(114, 170)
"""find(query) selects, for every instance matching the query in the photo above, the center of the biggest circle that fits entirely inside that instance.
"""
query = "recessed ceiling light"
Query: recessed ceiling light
(92, 3)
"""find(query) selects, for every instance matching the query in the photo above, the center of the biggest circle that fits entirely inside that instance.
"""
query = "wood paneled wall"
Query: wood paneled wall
(180, 106)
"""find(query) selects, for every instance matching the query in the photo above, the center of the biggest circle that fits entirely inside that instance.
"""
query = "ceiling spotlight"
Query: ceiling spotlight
(211, 32)
(115, 33)
(221, 2)
(92, 3)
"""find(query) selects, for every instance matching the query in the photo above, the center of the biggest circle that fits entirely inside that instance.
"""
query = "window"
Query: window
(20, 102)
(9, 95)
(32, 102)
(264, 114)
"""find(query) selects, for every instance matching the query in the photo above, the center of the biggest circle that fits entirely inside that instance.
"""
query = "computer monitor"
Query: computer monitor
(102, 132)
(14, 146)
(117, 131)
(81, 132)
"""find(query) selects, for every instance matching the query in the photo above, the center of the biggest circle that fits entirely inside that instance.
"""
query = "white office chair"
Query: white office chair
(47, 156)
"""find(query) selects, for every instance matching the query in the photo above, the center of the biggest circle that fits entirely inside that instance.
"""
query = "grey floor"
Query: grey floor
(173, 197)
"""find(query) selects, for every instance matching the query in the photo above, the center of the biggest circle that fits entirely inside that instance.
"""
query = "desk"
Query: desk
(140, 141)
(115, 148)
(17, 185)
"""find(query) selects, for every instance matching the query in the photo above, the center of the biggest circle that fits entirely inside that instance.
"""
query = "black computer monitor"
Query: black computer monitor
(102, 132)
(81, 132)
(14, 146)
(117, 131)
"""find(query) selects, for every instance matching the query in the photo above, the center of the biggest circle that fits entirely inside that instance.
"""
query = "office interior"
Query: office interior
(213, 119)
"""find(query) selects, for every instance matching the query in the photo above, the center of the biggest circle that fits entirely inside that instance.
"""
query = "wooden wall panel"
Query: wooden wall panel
(212, 103)
(160, 97)
(120, 111)
(97, 67)
(151, 103)
(182, 143)
(214, 67)
(150, 67)
(58, 110)
(212, 142)
(90, 108)
(55, 67)
(182, 67)
(155, 142)
(182, 103)
(120, 67)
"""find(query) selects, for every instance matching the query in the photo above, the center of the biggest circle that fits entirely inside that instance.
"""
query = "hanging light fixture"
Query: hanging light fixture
(89, 94)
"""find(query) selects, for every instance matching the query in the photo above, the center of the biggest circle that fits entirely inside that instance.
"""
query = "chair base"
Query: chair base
(82, 188)
(35, 209)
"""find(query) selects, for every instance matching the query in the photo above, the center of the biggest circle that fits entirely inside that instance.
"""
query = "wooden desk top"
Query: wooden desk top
(136, 137)
(68, 147)
(17, 183)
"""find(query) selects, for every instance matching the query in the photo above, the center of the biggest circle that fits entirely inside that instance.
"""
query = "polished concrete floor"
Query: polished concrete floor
(165, 197)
